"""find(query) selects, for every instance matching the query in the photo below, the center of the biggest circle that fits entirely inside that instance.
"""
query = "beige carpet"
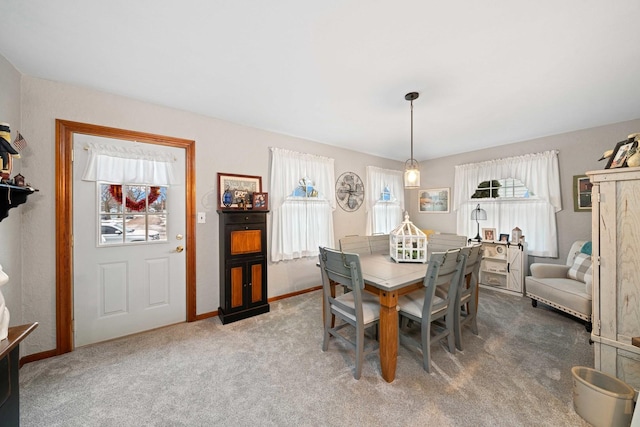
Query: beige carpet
(270, 371)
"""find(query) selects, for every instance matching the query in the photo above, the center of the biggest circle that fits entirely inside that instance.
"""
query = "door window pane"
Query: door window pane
(144, 219)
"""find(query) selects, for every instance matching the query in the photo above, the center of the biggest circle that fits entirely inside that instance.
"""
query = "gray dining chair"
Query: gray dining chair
(358, 309)
(355, 245)
(433, 311)
(467, 296)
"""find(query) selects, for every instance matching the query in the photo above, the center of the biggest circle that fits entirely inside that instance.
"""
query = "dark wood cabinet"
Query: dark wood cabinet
(9, 383)
(243, 264)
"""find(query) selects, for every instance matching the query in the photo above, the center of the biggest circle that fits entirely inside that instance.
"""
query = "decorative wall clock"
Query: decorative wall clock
(349, 191)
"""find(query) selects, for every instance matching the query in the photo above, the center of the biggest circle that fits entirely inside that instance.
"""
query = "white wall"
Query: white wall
(579, 152)
(10, 227)
(220, 147)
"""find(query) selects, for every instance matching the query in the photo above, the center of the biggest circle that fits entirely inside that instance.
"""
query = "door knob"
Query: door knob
(179, 249)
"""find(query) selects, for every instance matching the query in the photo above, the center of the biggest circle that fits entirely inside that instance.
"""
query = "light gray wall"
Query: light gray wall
(579, 152)
(11, 227)
(220, 147)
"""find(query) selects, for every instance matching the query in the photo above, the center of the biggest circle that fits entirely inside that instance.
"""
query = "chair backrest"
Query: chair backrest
(446, 269)
(379, 244)
(474, 257)
(344, 269)
(444, 242)
(356, 245)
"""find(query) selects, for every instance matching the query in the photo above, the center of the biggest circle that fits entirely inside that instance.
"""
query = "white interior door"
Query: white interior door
(129, 273)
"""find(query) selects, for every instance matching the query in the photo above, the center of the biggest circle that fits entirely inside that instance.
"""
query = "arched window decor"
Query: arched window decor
(535, 214)
(302, 219)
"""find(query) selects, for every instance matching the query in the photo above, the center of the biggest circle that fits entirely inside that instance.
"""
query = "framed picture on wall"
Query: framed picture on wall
(433, 200)
(233, 188)
(581, 193)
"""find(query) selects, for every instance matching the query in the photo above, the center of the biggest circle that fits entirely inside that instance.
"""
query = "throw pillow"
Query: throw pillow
(581, 266)
(586, 248)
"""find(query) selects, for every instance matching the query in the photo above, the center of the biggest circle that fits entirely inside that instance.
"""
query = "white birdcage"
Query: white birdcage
(407, 243)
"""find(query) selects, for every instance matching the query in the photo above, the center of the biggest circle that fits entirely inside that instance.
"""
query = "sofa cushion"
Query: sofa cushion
(564, 292)
(586, 248)
(581, 268)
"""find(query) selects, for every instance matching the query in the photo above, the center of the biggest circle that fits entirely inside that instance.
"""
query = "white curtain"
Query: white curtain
(299, 224)
(383, 216)
(536, 217)
(131, 165)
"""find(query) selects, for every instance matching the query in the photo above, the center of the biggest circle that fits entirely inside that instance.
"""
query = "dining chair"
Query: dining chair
(466, 298)
(358, 309)
(442, 242)
(355, 245)
(434, 311)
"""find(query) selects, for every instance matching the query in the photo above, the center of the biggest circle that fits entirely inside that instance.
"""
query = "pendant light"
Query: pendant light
(411, 166)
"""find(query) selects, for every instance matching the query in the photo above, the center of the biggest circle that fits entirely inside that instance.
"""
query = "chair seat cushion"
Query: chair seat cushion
(565, 292)
(370, 306)
(413, 302)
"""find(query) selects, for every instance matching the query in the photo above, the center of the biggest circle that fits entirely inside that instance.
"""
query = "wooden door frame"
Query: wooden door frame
(64, 217)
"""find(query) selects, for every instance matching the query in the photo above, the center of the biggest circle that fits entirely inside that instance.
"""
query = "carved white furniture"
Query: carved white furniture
(616, 278)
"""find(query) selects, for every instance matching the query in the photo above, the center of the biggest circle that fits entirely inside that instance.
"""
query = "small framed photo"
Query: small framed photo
(504, 237)
(620, 154)
(581, 193)
(233, 188)
(489, 234)
(433, 200)
(260, 202)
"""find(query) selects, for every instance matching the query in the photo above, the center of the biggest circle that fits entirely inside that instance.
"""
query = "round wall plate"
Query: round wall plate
(349, 191)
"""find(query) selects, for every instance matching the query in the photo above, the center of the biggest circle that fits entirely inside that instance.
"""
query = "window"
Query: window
(384, 199)
(302, 203)
(508, 187)
(139, 216)
(528, 199)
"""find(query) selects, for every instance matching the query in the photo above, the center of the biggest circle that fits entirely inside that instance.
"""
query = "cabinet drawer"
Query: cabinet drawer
(245, 218)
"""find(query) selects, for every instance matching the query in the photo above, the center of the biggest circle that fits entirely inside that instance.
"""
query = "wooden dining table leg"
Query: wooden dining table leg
(388, 334)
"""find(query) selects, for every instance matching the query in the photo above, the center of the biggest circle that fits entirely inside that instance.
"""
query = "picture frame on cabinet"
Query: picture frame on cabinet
(581, 193)
(433, 200)
(620, 154)
(489, 234)
(260, 201)
(233, 187)
(504, 237)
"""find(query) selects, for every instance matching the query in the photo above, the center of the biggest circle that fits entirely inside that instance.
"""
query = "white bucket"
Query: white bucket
(601, 399)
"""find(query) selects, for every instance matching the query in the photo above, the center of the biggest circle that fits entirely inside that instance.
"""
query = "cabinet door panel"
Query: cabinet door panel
(256, 283)
(246, 242)
(237, 279)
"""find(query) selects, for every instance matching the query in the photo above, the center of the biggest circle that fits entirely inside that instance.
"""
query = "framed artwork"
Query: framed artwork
(504, 237)
(489, 234)
(581, 193)
(433, 200)
(620, 154)
(260, 201)
(233, 188)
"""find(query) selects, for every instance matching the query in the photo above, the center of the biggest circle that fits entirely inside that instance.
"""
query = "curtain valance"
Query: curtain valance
(539, 172)
(131, 165)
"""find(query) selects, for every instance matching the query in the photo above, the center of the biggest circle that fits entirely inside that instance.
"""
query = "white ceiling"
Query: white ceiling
(336, 71)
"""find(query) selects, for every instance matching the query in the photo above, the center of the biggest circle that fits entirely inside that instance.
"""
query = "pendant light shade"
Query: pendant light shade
(411, 166)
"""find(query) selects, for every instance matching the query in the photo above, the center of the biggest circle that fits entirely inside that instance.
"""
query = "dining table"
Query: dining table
(390, 280)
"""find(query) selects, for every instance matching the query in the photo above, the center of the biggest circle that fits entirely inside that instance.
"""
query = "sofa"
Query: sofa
(568, 287)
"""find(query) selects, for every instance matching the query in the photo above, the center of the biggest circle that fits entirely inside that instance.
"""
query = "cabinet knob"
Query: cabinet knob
(246, 218)
(246, 228)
